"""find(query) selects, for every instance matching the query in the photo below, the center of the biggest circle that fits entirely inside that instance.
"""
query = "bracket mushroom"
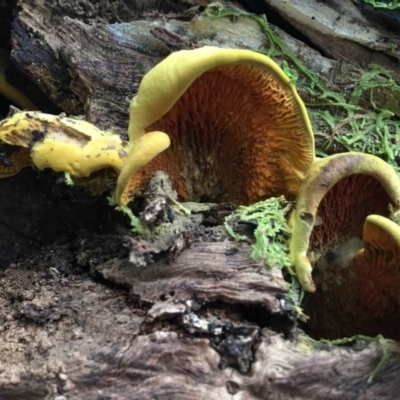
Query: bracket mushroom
(377, 266)
(225, 124)
(361, 296)
(337, 195)
(238, 129)
(60, 143)
(379, 261)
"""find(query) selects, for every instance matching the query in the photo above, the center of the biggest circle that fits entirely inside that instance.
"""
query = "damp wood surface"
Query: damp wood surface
(192, 316)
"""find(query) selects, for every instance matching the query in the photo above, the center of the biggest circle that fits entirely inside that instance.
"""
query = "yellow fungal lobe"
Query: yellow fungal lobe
(142, 151)
(239, 131)
(63, 144)
(341, 191)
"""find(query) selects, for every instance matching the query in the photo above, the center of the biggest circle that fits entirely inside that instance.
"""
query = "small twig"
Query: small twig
(344, 122)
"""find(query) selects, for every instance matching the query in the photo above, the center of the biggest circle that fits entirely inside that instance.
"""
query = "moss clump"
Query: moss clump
(372, 128)
(136, 225)
(271, 237)
(388, 5)
(271, 232)
(384, 343)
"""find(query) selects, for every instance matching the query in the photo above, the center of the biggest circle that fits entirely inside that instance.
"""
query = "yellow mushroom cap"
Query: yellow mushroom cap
(340, 191)
(381, 233)
(239, 131)
(63, 144)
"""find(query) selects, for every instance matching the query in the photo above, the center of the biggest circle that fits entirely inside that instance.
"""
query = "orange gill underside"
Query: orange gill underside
(235, 136)
(15, 159)
(362, 299)
(377, 273)
(358, 296)
(344, 209)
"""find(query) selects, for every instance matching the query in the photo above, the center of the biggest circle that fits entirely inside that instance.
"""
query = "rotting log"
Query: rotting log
(202, 319)
(346, 30)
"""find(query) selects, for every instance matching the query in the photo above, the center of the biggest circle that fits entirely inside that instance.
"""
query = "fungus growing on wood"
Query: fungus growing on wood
(239, 131)
(62, 144)
(377, 266)
(361, 296)
(337, 195)
(141, 153)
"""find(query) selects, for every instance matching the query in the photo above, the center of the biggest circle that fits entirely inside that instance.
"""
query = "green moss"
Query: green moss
(68, 180)
(370, 127)
(137, 226)
(271, 233)
(271, 240)
(389, 5)
(384, 343)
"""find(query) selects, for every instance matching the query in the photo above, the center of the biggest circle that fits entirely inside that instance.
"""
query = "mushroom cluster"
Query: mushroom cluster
(229, 125)
(239, 131)
(345, 247)
(225, 124)
(337, 195)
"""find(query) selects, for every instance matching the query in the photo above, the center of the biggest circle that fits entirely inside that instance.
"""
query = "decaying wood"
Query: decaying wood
(217, 271)
(346, 30)
(97, 70)
(191, 316)
(72, 336)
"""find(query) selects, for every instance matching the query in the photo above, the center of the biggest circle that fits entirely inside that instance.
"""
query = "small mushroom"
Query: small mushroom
(377, 265)
(337, 195)
(238, 129)
(363, 295)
